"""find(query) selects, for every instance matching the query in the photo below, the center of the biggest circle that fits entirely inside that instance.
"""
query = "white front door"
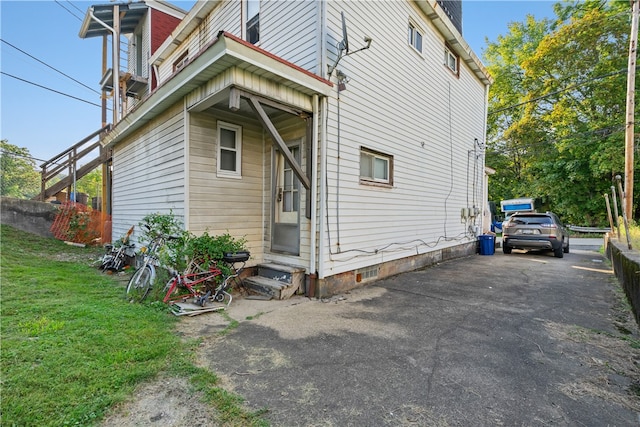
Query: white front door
(286, 204)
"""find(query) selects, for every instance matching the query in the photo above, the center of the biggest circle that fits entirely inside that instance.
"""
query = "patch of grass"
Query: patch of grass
(72, 347)
(232, 323)
(634, 234)
(255, 316)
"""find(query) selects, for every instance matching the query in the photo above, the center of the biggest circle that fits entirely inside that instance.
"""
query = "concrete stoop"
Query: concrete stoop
(277, 281)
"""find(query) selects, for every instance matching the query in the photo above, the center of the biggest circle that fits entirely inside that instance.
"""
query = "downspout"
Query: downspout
(323, 190)
(485, 177)
(314, 185)
(323, 149)
(187, 159)
(115, 49)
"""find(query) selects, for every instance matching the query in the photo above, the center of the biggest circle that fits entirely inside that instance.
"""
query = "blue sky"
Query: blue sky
(47, 123)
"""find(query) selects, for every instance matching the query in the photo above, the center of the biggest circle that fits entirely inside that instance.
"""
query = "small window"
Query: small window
(451, 60)
(415, 37)
(182, 60)
(375, 167)
(253, 21)
(229, 150)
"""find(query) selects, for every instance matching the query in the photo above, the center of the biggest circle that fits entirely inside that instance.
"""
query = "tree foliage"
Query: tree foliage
(91, 183)
(19, 177)
(557, 109)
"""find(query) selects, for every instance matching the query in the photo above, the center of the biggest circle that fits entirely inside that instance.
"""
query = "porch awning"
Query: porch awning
(226, 51)
(130, 15)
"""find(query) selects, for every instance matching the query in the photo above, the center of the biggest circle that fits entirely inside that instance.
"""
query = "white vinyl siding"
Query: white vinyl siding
(219, 205)
(225, 17)
(139, 49)
(148, 172)
(428, 124)
(281, 23)
(396, 102)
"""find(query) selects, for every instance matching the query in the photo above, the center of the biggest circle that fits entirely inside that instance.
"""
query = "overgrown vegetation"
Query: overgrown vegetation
(186, 247)
(72, 347)
(634, 234)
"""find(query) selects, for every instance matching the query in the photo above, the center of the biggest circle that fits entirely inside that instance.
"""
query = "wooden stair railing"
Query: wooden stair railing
(68, 161)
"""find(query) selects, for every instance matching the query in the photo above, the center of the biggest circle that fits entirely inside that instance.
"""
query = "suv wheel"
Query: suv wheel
(566, 249)
(558, 253)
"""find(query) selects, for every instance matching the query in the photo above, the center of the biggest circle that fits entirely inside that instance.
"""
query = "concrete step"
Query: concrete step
(269, 287)
(278, 281)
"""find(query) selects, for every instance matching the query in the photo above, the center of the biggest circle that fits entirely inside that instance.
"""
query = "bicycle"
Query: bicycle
(116, 255)
(204, 285)
(142, 280)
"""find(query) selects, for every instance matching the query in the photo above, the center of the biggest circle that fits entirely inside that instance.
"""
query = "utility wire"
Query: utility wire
(70, 12)
(9, 153)
(75, 7)
(47, 65)
(556, 92)
(49, 89)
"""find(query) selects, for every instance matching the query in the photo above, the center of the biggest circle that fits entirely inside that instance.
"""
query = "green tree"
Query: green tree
(19, 177)
(507, 150)
(91, 183)
(556, 118)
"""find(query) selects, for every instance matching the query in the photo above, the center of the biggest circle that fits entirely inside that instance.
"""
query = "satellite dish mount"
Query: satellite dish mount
(343, 46)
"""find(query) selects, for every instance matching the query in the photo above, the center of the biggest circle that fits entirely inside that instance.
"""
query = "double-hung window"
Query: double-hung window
(451, 60)
(229, 150)
(415, 37)
(375, 167)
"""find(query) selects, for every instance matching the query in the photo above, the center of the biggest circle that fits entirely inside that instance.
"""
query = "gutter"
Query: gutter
(454, 39)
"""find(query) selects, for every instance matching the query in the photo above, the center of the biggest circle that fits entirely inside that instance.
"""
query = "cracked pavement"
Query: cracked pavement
(520, 339)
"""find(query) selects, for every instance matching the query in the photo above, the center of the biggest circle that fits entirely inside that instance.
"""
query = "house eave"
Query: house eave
(190, 22)
(454, 39)
(225, 52)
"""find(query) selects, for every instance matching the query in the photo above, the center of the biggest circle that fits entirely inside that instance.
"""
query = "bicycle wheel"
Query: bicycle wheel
(140, 284)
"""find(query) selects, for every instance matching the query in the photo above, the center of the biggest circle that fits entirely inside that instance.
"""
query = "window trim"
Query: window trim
(448, 54)
(413, 30)
(181, 61)
(251, 23)
(372, 180)
(237, 173)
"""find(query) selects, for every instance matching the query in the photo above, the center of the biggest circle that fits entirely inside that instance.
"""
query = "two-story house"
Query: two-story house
(344, 138)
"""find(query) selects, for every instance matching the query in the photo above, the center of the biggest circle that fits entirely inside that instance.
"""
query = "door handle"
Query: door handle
(279, 198)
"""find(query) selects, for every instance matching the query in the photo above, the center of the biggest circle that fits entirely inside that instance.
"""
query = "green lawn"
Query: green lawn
(72, 347)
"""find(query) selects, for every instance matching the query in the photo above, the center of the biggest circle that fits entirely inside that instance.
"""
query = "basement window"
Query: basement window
(367, 274)
(375, 167)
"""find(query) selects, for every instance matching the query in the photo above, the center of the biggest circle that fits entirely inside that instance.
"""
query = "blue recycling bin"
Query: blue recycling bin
(487, 244)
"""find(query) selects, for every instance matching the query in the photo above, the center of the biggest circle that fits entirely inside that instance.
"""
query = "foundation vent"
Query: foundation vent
(367, 273)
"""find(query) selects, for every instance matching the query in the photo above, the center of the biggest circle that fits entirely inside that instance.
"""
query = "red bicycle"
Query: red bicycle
(202, 285)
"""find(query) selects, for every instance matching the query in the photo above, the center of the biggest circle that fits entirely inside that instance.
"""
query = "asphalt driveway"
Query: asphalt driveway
(523, 339)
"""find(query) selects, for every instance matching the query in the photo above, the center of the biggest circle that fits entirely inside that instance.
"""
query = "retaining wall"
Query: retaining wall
(28, 215)
(626, 266)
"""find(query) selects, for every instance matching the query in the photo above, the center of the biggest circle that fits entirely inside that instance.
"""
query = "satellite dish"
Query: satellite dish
(345, 39)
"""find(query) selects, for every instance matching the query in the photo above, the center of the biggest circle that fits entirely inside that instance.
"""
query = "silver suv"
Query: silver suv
(533, 230)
